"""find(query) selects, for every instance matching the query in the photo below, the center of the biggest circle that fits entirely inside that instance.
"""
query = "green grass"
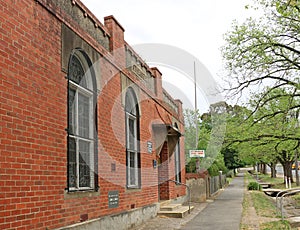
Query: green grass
(275, 182)
(297, 199)
(248, 177)
(229, 179)
(263, 204)
(267, 178)
(282, 225)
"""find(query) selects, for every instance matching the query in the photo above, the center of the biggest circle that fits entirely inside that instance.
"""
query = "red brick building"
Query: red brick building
(87, 133)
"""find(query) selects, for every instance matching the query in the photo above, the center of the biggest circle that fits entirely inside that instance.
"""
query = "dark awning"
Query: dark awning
(165, 132)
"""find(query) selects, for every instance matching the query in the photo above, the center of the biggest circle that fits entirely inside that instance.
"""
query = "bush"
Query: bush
(254, 186)
(230, 174)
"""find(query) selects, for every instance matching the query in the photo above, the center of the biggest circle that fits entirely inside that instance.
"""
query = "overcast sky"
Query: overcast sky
(195, 26)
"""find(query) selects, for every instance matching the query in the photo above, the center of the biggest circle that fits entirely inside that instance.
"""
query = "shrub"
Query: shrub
(254, 186)
(230, 174)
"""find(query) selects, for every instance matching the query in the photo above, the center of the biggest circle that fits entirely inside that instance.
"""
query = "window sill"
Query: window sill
(133, 189)
(80, 194)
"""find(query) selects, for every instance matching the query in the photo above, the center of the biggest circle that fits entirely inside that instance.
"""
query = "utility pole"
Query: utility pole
(196, 119)
(196, 107)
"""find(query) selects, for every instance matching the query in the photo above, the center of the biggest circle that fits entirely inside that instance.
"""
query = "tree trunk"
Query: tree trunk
(273, 170)
(259, 167)
(287, 169)
(296, 168)
(264, 168)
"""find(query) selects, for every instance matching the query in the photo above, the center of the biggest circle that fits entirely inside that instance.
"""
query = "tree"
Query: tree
(231, 158)
(212, 133)
(211, 130)
(272, 138)
(266, 51)
(190, 119)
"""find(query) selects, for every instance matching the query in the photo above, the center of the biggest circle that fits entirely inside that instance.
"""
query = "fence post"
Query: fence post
(220, 179)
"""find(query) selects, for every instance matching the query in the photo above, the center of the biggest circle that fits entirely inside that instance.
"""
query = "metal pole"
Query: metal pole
(196, 107)
(196, 119)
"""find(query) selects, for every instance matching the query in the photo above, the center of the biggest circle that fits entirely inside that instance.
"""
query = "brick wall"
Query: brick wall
(32, 116)
(33, 119)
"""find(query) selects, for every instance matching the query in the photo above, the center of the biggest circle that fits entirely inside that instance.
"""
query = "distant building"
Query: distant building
(88, 135)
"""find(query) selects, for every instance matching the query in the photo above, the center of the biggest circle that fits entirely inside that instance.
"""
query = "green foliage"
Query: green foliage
(265, 51)
(231, 158)
(191, 165)
(230, 174)
(211, 131)
(253, 185)
(190, 119)
(270, 132)
(217, 166)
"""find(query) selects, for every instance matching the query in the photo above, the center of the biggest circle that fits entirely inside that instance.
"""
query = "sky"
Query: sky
(193, 28)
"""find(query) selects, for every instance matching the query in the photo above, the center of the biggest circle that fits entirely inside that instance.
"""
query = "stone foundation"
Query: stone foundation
(121, 221)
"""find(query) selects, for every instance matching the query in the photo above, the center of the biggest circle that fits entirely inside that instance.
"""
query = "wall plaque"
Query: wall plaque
(149, 146)
(113, 199)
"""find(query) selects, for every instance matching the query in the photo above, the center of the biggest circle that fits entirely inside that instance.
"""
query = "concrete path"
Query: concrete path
(225, 212)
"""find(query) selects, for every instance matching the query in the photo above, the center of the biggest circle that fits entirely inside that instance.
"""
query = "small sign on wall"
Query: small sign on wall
(113, 199)
(155, 164)
(149, 147)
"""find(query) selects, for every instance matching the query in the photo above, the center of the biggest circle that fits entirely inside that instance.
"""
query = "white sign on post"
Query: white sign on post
(197, 153)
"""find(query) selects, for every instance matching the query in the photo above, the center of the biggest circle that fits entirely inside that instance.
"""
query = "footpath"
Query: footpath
(225, 212)
(222, 213)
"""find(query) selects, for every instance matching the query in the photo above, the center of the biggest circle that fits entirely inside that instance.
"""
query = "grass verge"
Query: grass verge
(264, 206)
(282, 225)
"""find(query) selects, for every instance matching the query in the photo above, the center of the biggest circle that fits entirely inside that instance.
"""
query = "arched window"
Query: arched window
(82, 128)
(132, 140)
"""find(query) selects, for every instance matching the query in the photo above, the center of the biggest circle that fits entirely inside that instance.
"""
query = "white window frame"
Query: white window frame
(132, 114)
(90, 139)
(132, 151)
(177, 163)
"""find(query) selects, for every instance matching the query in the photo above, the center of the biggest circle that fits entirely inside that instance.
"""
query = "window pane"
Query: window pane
(83, 115)
(72, 106)
(131, 111)
(131, 134)
(76, 73)
(72, 162)
(130, 106)
(132, 168)
(84, 164)
(177, 164)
